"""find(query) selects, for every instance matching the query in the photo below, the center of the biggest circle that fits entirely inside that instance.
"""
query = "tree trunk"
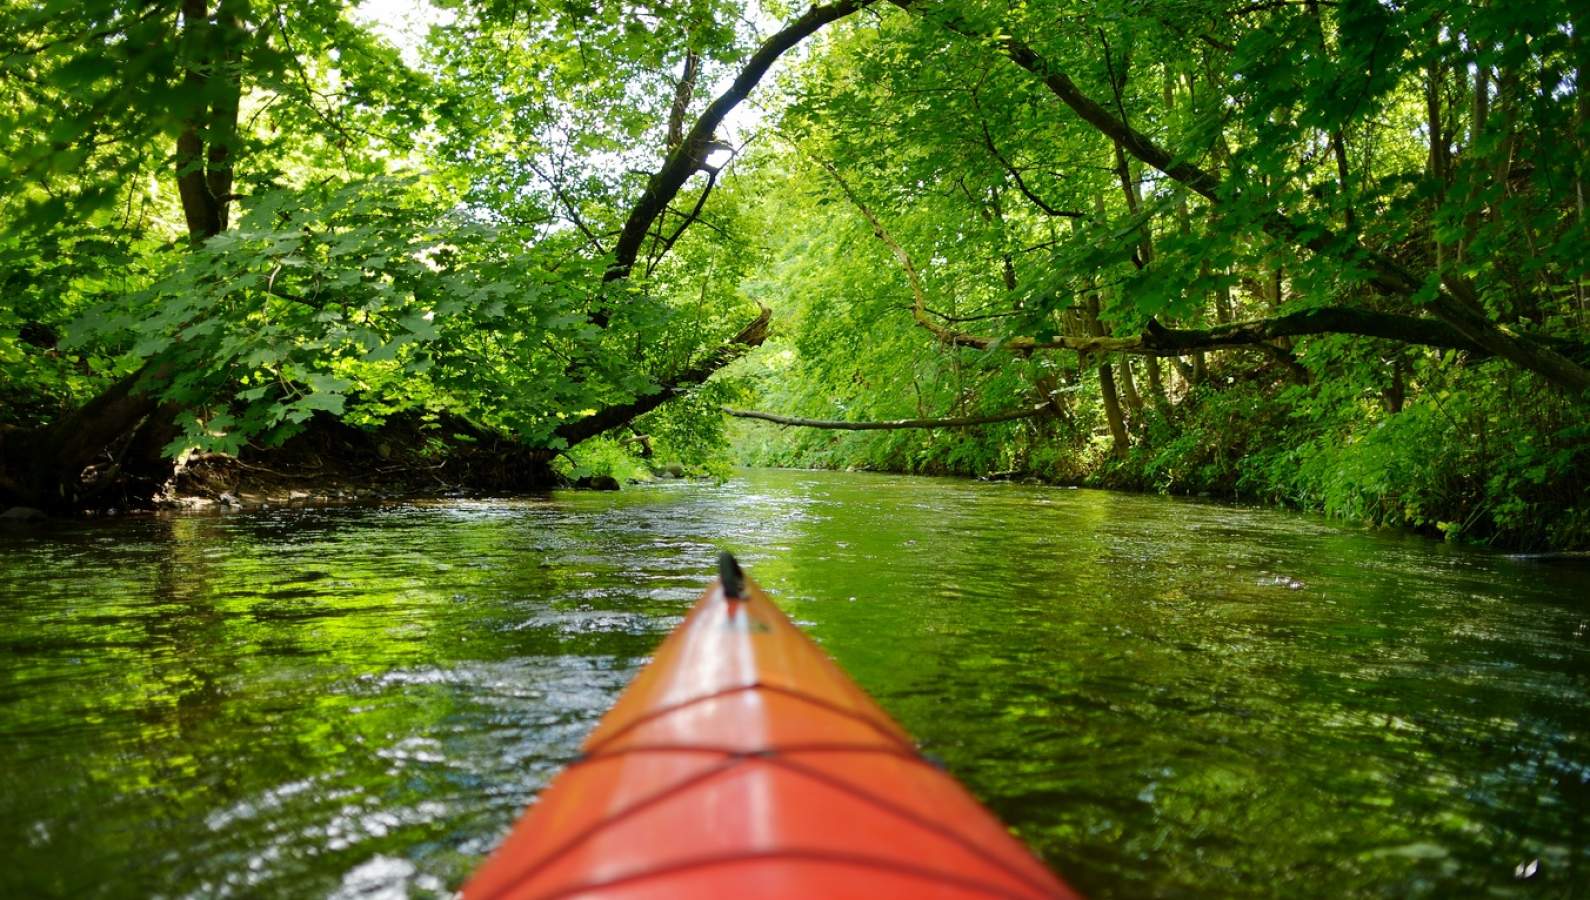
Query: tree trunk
(1223, 313)
(683, 89)
(1189, 375)
(145, 466)
(51, 461)
(1049, 388)
(1120, 440)
(1395, 393)
(51, 466)
(1128, 385)
(1156, 386)
(1338, 142)
(1107, 393)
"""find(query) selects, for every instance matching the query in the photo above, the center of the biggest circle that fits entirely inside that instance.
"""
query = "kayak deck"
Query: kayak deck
(742, 762)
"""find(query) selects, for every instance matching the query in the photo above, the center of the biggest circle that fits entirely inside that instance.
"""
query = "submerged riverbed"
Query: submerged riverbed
(1164, 698)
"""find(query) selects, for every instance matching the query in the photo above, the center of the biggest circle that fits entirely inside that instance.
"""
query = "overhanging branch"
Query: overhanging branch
(892, 424)
(1456, 304)
(684, 159)
(1157, 340)
(618, 414)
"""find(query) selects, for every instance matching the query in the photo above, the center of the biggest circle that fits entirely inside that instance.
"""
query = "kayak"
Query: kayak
(742, 762)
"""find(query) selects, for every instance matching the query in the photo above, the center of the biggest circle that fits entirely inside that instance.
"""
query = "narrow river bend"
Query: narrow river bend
(1164, 698)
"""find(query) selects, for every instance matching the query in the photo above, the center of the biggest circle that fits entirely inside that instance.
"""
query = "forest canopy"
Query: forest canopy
(1330, 254)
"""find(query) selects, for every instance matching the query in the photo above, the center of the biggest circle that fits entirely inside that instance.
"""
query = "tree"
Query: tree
(1207, 178)
(321, 291)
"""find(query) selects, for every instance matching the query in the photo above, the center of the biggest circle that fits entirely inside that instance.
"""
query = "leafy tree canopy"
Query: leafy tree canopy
(1276, 247)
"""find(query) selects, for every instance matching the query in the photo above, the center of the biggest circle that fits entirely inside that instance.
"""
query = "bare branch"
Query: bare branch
(1021, 185)
(690, 217)
(568, 205)
(892, 424)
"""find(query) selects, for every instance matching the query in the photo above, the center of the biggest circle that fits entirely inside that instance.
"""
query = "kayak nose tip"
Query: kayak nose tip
(730, 575)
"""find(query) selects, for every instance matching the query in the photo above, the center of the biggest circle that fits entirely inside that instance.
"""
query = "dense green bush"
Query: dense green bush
(1472, 458)
(1477, 459)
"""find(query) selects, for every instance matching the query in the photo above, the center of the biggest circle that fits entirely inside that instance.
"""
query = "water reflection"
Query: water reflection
(1166, 698)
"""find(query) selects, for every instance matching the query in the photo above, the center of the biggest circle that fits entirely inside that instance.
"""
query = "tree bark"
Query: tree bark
(1157, 340)
(1156, 386)
(1128, 385)
(1120, 442)
(211, 93)
(52, 460)
(683, 91)
(1223, 312)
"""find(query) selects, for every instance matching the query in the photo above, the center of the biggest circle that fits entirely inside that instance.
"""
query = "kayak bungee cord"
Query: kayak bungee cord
(742, 762)
(730, 576)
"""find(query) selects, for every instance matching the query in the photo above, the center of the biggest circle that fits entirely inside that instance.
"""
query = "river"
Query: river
(1163, 697)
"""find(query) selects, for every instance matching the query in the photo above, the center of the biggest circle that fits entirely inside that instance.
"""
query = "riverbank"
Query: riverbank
(333, 464)
(1489, 471)
(1521, 484)
(327, 463)
(336, 463)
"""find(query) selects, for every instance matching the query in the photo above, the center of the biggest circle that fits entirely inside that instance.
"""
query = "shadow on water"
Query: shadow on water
(1165, 698)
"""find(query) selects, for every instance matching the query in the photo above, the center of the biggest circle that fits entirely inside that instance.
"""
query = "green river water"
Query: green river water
(1163, 698)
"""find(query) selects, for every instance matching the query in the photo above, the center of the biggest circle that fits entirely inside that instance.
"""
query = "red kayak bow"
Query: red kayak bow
(742, 762)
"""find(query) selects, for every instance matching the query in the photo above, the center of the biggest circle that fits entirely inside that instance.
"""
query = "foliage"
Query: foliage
(1019, 217)
(381, 240)
(269, 214)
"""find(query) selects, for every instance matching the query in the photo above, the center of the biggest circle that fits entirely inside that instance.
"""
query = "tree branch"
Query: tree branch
(1158, 340)
(685, 159)
(683, 89)
(619, 414)
(115, 28)
(568, 205)
(1456, 304)
(690, 217)
(891, 424)
(1021, 185)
